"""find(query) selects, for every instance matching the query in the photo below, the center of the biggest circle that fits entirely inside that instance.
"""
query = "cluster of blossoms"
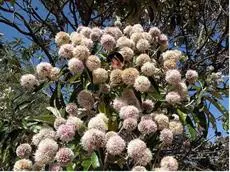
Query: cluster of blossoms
(130, 69)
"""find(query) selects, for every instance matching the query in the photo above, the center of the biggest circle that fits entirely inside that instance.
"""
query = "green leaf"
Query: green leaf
(95, 160)
(91, 161)
(182, 116)
(54, 111)
(46, 118)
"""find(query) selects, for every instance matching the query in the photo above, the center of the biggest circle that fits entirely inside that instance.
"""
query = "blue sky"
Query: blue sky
(10, 34)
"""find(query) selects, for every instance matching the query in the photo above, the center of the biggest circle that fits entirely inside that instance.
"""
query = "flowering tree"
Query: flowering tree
(130, 101)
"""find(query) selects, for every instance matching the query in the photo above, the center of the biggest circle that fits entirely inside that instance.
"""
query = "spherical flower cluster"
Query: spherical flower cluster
(142, 45)
(115, 145)
(23, 150)
(118, 103)
(71, 109)
(87, 42)
(108, 42)
(93, 62)
(66, 51)
(110, 134)
(147, 36)
(135, 148)
(29, 81)
(43, 133)
(81, 52)
(97, 123)
(55, 167)
(129, 75)
(154, 31)
(147, 105)
(135, 37)
(142, 84)
(127, 53)
(182, 90)
(127, 30)
(23, 165)
(115, 32)
(103, 117)
(139, 168)
(46, 151)
(162, 39)
(147, 126)
(93, 139)
(148, 69)
(54, 73)
(176, 127)
(64, 156)
(191, 76)
(65, 132)
(142, 59)
(173, 97)
(173, 55)
(169, 163)
(85, 99)
(76, 38)
(124, 42)
(59, 121)
(173, 77)
(166, 136)
(76, 122)
(169, 64)
(43, 69)
(100, 75)
(62, 38)
(129, 112)
(144, 157)
(95, 34)
(130, 124)
(162, 121)
(85, 31)
(116, 77)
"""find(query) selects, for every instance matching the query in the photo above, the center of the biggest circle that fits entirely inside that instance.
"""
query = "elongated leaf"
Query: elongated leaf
(54, 111)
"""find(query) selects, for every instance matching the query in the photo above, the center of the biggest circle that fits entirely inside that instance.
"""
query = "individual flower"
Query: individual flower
(76, 38)
(135, 148)
(97, 123)
(23, 150)
(75, 65)
(130, 124)
(54, 73)
(100, 76)
(176, 127)
(110, 134)
(55, 167)
(23, 165)
(162, 121)
(135, 37)
(43, 69)
(116, 77)
(142, 45)
(66, 51)
(95, 34)
(173, 97)
(86, 31)
(142, 84)
(71, 108)
(108, 42)
(147, 105)
(115, 145)
(76, 122)
(81, 52)
(113, 31)
(85, 99)
(147, 126)
(127, 53)
(138, 168)
(64, 156)
(154, 31)
(46, 151)
(59, 121)
(166, 136)
(29, 81)
(173, 55)
(129, 112)
(191, 76)
(169, 163)
(173, 77)
(142, 59)
(87, 42)
(144, 157)
(66, 132)
(93, 139)
(62, 38)
(124, 42)
(129, 75)
(118, 103)
(148, 69)
(93, 62)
